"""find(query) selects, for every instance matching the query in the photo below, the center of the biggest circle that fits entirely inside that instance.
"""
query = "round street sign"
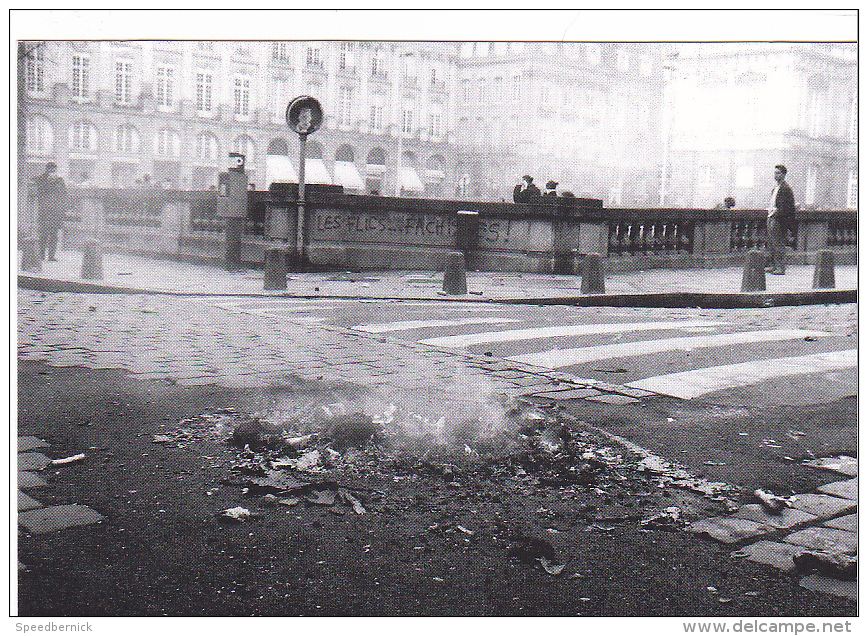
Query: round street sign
(304, 115)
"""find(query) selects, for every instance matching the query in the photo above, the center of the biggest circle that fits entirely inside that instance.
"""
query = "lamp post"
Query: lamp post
(304, 116)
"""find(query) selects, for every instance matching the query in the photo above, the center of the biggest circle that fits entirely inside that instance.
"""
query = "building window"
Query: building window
(40, 136)
(436, 125)
(852, 190)
(346, 58)
(346, 106)
(205, 46)
(206, 147)
(313, 56)
(80, 77)
(407, 121)
(623, 61)
(245, 146)
(242, 95)
(854, 120)
(645, 65)
(204, 87)
(167, 143)
(498, 89)
(165, 86)
(281, 97)
(280, 51)
(123, 82)
(465, 90)
(83, 137)
(481, 89)
(516, 87)
(378, 67)
(594, 53)
(818, 114)
(376, 118)
(126, 139)
(36, 71)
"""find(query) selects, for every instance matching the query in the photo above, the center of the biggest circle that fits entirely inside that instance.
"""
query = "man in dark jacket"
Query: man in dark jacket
(525, 192)
(781, 217)
(51, 204)
(551, 189)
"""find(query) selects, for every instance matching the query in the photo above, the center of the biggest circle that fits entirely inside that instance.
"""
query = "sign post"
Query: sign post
(304, 116)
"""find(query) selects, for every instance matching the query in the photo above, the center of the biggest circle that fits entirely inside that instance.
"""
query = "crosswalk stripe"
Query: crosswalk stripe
(554, 332)
(406, 325)
(559, 358)
(690, 384)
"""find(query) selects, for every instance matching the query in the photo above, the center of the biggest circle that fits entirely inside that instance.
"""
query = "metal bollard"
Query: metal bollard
(30, 260)
(824, 270)
(91, 261)
(754, 278)
(455, 278)
(593, 280)
(275, 269)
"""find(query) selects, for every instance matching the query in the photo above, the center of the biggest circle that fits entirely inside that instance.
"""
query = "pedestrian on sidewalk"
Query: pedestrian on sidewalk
(781, 218)
(50, 206)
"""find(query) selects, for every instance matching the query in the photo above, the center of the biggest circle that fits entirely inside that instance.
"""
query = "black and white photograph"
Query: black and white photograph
(433, 313)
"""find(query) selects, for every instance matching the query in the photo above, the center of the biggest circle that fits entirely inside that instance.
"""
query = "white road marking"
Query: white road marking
(406, 325)
(554, 332)
(690, 384)
(559, 358)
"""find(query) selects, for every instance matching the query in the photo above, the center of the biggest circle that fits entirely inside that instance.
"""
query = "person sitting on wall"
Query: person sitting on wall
(728, 204)
(525, 192)
(551, 189)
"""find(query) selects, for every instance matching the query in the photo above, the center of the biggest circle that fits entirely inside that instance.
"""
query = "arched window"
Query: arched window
(246, 147)
(377, 157)
(207, 147)
(278, 147)
(126, 139)
(40, 135)
(83, 137)
(167, 143)
(345, 153)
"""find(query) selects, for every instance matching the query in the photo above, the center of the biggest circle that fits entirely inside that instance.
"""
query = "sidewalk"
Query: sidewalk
(659, 287)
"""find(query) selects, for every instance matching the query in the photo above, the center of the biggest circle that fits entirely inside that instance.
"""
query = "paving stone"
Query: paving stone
(848, 523)
(32, 461)
(634, 393)
(728, 529)
(779, 555)
(821, 505)
(30, 480)
(786, 519)
(845, 489)
(825, 539)
(26, 502)
(613, 398)
(30, 443)
(568, 394)
(817, 583)
(58, 518)
(843, 464)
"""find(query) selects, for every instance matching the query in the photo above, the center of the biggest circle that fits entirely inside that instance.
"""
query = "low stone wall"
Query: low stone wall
(361, 232)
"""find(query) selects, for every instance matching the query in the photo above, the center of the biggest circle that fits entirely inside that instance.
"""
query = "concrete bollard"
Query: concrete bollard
(455, 278)
(30, 259)
(824, 270)
(275, 269)
(754, 278)
(91, 260)
(593, 280)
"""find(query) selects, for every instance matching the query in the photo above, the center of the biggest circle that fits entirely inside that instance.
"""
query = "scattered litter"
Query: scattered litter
(771, 502)
(465, 530)
(162, 439)
(289, 501)
(752, 593)
(348, 497)
(237, 514)
(68, 460)
(724, 600)
(712, 589)
(836, 565)
(438, 578)
(793, 433)
(268, 501)
(320, 497)
(551, 568)
(669, 519)
(810, 338)
(710, 463)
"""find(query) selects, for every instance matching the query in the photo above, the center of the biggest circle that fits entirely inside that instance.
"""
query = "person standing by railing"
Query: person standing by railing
(51, 202)
(781, 217)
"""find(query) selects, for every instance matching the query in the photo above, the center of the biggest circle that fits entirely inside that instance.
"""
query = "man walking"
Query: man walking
(781, 217)
(51, 204)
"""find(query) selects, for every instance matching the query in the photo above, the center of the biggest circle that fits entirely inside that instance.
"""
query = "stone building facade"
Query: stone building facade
(109, 113)
(739, 109)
